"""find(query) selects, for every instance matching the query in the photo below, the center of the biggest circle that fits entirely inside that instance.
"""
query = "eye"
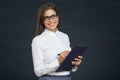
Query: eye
(46, 17)
(53, 16)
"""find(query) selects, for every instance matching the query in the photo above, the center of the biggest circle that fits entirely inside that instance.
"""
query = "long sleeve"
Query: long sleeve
(40, 67)
(74, 69)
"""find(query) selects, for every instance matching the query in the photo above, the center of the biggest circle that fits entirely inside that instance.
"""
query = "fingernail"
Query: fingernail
(75, 58)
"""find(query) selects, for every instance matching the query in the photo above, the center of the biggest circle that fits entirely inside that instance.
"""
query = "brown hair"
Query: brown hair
(40, 26)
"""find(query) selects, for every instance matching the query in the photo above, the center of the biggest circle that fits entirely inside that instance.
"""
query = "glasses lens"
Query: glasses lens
(54, 16)
(46, 18)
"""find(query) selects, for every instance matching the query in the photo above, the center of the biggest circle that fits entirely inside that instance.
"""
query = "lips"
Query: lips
(51, 24)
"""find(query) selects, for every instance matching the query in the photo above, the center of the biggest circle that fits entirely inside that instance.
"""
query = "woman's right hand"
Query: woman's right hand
(62, 56)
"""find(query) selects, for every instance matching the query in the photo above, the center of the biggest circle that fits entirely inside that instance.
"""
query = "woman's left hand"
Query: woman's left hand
(77, 61)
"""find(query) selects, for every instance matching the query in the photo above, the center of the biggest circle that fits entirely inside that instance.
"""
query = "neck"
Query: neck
(53, 30)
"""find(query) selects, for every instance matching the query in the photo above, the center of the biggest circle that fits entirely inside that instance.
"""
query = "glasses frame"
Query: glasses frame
(53, 17)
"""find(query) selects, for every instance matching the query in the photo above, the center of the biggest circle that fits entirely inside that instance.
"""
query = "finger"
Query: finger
(80, 57)
(77, 59)
(73, 62)
(76, 63)
(62, 55)
(67, 52)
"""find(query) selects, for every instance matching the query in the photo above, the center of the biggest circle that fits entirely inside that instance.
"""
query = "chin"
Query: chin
(52, 29)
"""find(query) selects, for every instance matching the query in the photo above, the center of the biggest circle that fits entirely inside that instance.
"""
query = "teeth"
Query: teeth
(51, 24)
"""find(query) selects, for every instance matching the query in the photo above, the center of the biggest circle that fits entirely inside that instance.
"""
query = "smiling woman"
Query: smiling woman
(51, 20)
(48, 43)
(46, 12)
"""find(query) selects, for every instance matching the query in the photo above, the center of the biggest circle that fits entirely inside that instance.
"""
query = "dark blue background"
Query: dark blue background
(95, 23)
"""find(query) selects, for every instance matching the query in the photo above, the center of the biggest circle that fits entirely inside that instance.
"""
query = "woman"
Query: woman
(48, 43)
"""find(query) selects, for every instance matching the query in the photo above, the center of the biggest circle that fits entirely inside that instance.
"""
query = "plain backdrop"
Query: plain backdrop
(95, 23)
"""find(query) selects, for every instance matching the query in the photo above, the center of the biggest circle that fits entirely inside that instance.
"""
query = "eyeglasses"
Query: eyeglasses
(53, 17)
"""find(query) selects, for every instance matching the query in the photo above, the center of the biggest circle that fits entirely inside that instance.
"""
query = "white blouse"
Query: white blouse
(45, 50)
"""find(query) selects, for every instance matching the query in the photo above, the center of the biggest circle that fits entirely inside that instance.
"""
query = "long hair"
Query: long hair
(40, 18)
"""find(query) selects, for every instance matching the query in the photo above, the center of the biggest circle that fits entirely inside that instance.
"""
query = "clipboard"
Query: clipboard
(66, 65)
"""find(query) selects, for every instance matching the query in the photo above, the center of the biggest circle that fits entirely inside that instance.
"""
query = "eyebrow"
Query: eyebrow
(51, 15)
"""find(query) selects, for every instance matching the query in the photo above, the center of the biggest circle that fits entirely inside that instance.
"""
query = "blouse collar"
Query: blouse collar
(53, 34)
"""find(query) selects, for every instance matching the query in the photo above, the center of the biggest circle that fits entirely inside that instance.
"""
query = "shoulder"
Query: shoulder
(64, 37)
(38, 38)
(63, 34)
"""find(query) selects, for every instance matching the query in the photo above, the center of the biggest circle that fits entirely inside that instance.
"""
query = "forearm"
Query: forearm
(45, 68)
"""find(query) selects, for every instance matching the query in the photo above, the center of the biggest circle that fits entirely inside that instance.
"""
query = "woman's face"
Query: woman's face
(51, 20)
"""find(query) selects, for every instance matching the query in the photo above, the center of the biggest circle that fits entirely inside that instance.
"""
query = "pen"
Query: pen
(58, 54)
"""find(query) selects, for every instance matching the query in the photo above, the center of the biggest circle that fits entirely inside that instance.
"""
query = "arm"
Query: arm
(40, 67)
(75, 63)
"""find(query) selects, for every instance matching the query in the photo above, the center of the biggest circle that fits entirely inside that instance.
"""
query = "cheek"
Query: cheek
(45, 24)
(58, 21)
